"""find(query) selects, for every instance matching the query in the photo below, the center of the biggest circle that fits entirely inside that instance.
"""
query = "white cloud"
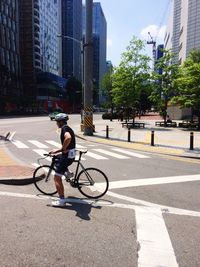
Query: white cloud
(156, 32)
(109, 43)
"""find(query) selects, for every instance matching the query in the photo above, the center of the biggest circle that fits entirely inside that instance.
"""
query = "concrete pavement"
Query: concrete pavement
(168, 141)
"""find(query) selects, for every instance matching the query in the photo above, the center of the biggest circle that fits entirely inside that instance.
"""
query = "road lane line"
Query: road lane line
(130, 153)
(109, 153)
(94, 155)
(51, 142)
(80, 146)
(165, 209)
(41, 152)
(94, 203)
(19, 144)
(11, 136)
(37, 144)
(155, 244)
(154, 181)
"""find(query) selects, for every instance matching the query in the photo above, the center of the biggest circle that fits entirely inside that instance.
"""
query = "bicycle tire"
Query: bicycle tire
(98, 177)
(39, 176)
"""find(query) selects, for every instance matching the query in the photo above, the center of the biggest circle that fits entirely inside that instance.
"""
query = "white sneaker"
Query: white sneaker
(59, 203)
(69, 174)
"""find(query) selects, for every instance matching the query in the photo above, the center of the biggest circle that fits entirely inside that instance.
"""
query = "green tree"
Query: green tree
(188, 84)
(163, 86)
(130, 77)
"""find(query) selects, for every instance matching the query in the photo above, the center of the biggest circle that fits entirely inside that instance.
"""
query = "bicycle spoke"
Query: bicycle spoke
(44, 180)
(93, 183)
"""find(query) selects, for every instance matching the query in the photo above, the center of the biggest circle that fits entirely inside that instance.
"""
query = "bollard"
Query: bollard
(152, 138)
(107, 131)
(129, 134)
(191, 140)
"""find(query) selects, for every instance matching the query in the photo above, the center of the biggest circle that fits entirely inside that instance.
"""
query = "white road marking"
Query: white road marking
(155, 244)
(153, 181)
(94, 203)
(51, 142)
(35, 165)
(130, 153)
(80, 146)
(37, 144)
(41, 152)
(19, 144)
(11, 136)
(94, 155)
(112, 154)
(165, 209)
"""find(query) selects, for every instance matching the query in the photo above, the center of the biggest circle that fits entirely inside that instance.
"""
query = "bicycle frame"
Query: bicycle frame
(79, 164)
(78, 161)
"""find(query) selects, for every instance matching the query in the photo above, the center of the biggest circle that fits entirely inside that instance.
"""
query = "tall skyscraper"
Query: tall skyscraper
(99, 49)
(38, 40)
(49, 29)
(183, 32)
(9, 50)
(71, 28)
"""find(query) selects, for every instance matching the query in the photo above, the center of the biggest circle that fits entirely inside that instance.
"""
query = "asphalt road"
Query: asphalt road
(152, 206)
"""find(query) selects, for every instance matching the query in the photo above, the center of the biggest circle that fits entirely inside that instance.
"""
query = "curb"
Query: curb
(19, 181)
(161, 150)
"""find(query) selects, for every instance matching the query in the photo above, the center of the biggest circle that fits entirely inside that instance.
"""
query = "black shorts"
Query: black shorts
(61, 164)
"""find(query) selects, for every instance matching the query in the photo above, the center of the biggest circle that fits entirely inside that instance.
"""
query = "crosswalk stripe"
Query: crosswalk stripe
(41, 152)
(51, 142)
(36, 165)
(94, 155)
(130, 153)
(112, 154)
(19, 144)
(80, 146)
(37, 144)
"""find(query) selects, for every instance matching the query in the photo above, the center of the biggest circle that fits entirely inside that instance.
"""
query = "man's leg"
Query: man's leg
(59, 186)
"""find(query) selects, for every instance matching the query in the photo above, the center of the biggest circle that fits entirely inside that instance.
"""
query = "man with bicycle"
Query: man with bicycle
(66, 155)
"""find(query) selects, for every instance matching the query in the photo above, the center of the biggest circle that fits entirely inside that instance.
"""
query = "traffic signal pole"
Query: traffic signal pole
(88, 71)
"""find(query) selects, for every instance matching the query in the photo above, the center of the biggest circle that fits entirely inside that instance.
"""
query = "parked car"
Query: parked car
(53, 114)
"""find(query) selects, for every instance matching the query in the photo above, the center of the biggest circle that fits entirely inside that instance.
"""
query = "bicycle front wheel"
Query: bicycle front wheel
(92, 183)
(43, 178)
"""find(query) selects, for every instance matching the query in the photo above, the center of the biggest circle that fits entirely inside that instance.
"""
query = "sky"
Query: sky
(128, 18)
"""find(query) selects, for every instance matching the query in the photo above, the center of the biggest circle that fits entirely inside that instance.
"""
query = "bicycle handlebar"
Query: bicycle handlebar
(79, 150)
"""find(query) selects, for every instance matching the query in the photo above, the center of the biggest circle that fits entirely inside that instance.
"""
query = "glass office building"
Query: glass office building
(49, 29)
(9, 50)
(183, 33)
(71, 26)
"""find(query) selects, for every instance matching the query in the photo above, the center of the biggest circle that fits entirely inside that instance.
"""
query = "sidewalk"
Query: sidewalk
(11, 172)
(169, 141)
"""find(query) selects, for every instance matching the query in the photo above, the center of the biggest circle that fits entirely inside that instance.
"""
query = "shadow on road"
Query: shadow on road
(82, 206)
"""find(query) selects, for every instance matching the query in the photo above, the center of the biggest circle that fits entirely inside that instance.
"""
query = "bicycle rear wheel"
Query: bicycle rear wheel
(43, 178)
(92, 183)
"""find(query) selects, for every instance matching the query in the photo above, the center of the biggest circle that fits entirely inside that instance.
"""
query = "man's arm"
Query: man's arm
(66, 142)
(67, 139)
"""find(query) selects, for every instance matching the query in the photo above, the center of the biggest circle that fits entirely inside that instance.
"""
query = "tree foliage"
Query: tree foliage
(130, 77)
(188, 83)
(107, 88)
(163, 78)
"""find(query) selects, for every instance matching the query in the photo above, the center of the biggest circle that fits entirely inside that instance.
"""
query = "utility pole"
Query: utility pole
(88, 71)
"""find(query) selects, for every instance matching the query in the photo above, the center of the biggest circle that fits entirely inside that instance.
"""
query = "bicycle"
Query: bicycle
(91, 182)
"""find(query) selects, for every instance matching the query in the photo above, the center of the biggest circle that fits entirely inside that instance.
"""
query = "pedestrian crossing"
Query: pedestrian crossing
(94, 152)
